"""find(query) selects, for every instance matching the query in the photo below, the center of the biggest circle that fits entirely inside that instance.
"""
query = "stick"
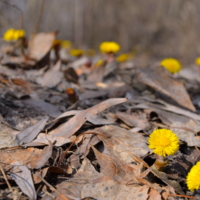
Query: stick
(5, 177)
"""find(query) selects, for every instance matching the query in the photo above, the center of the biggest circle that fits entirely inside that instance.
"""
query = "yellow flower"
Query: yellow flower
(171, 64)
(66, 44)
(76, 52)
(163, 142)
(99, 62)
(13, 35)
(123, 57)
(197, 61)
(193, 177)
(8, 35)
(109, 47)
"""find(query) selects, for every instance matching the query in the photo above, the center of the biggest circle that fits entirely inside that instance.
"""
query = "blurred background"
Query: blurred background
(159, 28)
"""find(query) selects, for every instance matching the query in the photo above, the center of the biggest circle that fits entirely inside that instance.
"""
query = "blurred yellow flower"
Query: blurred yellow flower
(99, 62)
(13, 35)
(193, 177)
(171, 64)
(66, 44)
(197, 61)
(109, 47)
(123, 57)
(8, 35)
(76, 52)
(163, 142)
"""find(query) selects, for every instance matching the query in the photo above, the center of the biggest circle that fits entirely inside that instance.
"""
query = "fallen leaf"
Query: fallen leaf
(31, 132)
(73, 125)
(160, 81)
(24, 180)
(51, 77)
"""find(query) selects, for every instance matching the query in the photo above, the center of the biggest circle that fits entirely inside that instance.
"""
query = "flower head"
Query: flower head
(193, 177)
(109, 47)
(76, 52)
(99, 63)
(163, 142)
(123, 57)
(66, 44)
(171, 64)
(13, 35)
(197, 61)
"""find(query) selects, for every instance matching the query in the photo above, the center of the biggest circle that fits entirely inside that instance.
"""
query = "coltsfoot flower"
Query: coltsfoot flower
(171, 64)
(13, 35)
(99, 63)
(109, 47)
(193, 177)
(66, 44)
(197, 61)
(123, 57)
(76, 52)
(163, 142)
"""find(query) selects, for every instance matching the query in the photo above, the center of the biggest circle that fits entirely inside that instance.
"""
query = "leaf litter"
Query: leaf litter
(94, 146)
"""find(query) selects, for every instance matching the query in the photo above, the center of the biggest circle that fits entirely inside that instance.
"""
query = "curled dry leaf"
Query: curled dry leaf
(160, 81)
(70, 127)
(22, 176)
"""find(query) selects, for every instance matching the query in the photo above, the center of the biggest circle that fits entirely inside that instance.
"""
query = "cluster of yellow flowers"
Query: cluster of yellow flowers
(164, 142)
(109, 47)
(13, 35)
(171, 64)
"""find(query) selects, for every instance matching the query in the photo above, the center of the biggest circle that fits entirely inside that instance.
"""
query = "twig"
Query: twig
(179, 195)
(39, 17)
(5, 177)
(53, 189)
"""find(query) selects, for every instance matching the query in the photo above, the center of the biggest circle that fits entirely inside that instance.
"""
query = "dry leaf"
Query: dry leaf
(73, 125)
(160, 81)
(24, 180)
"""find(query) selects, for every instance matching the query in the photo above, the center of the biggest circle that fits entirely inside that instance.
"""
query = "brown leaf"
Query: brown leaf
(42, 173)
(7, 138)
(121, 141)
(89, 183)
(73, 125)
(137, 120)
(31, 132)
(40, 44)
(52, 77)
(29, 157)
(46, 154)
(172, 183)
(160, 81)
(24, 180)
(114, 168)
(154, 195)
